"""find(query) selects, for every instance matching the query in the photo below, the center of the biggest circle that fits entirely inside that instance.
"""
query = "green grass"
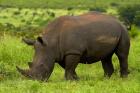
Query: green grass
(35, 17)
(63, 3)
(13, 52)
(28, 22)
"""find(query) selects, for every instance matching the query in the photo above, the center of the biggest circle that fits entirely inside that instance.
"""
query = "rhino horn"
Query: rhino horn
(28, 41)
(23, 72)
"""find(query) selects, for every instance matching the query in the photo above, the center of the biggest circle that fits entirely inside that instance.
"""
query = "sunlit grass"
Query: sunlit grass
(21, 17)
(13, 52)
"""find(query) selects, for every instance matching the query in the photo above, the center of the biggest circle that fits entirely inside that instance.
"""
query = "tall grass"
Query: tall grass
(13, 52)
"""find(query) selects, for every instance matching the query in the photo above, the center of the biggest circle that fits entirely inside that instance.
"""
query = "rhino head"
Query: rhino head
(43, 61)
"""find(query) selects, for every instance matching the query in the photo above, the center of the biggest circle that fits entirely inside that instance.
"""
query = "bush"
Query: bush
(69, 8)
(128, 14)
(6, 27)
(99, 9)
(16, 12)
(52, 14)
(114, 4)
(137, 18)
(25, 30)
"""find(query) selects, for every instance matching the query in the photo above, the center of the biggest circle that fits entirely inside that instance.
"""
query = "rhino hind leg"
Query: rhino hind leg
(123, 60)
(71, 62)
(122, 52)
(107, 66)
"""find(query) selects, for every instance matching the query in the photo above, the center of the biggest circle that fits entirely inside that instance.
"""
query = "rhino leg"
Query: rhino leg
(108, 66)
(71, 62)
(122, 52)
(63, 66)
(123, 60)
(123, 65)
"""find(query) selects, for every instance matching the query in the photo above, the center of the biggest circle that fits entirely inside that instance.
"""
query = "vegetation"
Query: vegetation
(134, 31)
(13, 52)
(130, 14)
(30, 21)
(64, 4)
(100, 9)
(20, 18)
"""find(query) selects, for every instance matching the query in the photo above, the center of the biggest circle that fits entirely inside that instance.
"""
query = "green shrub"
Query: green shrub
(16, 12)
(114, 4)
(7, 27)
(137, 18)
(51, 14)
(26, 13)
(35, 14)
(100, 9)
(23, 20)
(128, 13)
(69, 8)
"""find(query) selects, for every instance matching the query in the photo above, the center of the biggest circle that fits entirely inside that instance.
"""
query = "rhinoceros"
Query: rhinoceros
(70, 40)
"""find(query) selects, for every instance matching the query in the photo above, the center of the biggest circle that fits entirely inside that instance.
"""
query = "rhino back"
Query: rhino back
(95, 36)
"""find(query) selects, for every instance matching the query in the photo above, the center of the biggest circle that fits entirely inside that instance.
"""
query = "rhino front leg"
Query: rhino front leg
(63, 66)
(71, 62)
(108, 66)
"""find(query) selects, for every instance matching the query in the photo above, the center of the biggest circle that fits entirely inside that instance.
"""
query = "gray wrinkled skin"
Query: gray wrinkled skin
(70, 40)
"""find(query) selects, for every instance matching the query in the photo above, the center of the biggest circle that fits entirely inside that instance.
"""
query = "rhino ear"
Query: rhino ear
(28, 41)
(41, 40)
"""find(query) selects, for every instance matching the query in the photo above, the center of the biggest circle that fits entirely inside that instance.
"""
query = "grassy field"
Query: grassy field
(35, 17)
(20, 20)
(30, 21)
(13, 52)
(64, 3)
(28, 13)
